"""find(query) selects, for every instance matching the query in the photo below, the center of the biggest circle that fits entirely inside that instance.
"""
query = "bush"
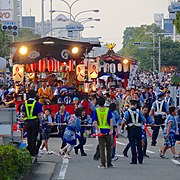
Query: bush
(14, 163)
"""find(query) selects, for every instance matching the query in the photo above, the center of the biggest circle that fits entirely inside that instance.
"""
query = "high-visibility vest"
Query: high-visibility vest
(102, 118)
(29, 110)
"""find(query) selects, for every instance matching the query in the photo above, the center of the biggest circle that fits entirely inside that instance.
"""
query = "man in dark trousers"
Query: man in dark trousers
(32, 114)
(102, 118)
(159, 111)
(134, 119)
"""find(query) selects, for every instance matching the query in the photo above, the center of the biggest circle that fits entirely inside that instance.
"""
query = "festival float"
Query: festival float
(49, 60)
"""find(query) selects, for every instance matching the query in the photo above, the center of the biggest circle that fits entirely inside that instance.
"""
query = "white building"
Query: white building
(61, 27)
(158, 19)
(11, 10)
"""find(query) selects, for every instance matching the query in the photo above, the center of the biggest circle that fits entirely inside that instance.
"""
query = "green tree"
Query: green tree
(6, 39)
(176, 22)
(26, 35)
(170, 50)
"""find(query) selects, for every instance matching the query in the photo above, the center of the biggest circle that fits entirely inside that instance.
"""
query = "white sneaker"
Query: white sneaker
(115, 158)
(66, 156)
(176, 156)
(102, 166)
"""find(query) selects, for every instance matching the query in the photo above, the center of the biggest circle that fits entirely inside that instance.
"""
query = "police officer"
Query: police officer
(169, 99)
(32, 114)
(159, 111)
(134, 119)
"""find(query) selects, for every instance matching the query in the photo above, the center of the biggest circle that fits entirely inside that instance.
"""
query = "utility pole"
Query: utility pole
(42, 19)
(51, 14)
(159, 53)
(154, 65)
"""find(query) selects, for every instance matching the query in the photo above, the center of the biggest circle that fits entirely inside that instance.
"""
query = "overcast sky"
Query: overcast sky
(115, 15)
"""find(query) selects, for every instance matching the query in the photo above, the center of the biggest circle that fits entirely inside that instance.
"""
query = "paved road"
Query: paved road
(85, 168)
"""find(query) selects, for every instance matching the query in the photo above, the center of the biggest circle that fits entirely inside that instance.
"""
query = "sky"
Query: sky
(115, 15)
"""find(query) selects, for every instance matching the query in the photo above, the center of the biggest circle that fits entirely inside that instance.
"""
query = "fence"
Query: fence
(7, 119)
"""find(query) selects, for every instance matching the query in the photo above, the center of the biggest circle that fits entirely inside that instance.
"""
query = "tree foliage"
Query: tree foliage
(6, 39)
(176, 22)
(170, 51)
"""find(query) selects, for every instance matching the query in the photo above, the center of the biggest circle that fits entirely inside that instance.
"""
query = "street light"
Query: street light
(74, 17)
(88, 20)
(66, 12)
(159, 40)
(80, 19)
(70, 6)
(51, 11)
(92, 10)
(151, 33)
(42, 18)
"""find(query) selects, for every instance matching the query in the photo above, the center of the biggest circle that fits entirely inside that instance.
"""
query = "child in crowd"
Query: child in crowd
(46, 126)
(85, 121)
(169, 133)
(61, 118)
(70, 133)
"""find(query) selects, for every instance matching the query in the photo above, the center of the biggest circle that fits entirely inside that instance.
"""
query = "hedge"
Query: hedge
(14, 162)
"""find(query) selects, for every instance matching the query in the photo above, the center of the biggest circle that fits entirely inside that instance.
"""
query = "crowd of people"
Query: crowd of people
(103, 114)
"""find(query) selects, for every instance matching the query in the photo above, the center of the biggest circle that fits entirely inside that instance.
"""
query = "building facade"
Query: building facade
(158, 19)
(61, 27)
(11, 10)
(28, 21)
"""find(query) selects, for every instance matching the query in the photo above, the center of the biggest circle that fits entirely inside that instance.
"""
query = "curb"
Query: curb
(30, 171)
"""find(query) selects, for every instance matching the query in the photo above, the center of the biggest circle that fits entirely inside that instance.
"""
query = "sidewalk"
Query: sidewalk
(41, 170)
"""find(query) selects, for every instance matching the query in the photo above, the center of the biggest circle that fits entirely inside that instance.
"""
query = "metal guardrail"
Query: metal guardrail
(7, 119)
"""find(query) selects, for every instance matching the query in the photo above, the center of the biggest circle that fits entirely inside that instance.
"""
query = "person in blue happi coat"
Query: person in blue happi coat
(134, 119)
(159, 110)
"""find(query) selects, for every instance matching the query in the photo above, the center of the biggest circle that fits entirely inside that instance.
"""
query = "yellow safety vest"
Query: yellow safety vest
(29, 110)
(102, 118)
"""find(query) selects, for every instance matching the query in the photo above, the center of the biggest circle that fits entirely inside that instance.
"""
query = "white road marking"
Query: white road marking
(123, 144)
(88, 145)
(64, 166)
(117, 142)
(150, 152)
(175, 162)
(63, 169)
(86, 149)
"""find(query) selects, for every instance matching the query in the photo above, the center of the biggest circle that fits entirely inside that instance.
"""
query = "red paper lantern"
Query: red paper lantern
(42, 65)
(70, 65)
(50, 65)
(28, 68)
(58, 65)
(31, 67)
